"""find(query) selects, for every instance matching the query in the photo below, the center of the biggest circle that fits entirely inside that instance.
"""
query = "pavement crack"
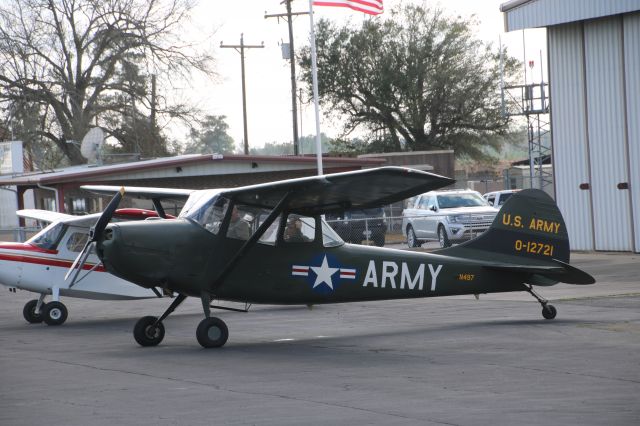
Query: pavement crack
(570, 373)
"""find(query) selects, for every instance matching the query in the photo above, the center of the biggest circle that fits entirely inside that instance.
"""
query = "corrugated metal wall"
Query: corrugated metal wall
(594, 69)
(544, 13)
(631, 25)
(569, 132)
(606, 117)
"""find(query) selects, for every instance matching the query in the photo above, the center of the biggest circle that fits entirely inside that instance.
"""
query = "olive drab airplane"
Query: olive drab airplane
(268, 243)
(39, 265)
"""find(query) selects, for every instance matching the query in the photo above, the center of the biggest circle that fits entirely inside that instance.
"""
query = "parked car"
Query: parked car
(355, 226)
(498, 198)
(446, 216)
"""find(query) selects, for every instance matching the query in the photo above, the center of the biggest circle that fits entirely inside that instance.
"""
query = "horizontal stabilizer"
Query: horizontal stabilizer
(558, 272)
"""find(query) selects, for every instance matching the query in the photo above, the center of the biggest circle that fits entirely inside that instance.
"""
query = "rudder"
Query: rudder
(528, 225)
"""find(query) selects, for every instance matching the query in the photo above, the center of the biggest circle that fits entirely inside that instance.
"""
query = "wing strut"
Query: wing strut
(252, 240)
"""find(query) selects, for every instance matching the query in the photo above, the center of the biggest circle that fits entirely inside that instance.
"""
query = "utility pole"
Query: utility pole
(292, 60)
(240, 49)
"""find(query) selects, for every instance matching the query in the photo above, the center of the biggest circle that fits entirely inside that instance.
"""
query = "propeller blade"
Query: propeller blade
(104, 219)
(75, 262)
(96, 231)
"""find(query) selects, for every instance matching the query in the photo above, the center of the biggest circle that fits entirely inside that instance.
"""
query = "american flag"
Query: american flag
(372, 7)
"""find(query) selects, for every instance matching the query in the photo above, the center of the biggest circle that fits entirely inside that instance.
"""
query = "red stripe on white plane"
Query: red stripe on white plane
(47, 261)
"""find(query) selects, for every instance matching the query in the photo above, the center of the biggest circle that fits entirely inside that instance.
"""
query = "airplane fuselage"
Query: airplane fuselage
(186, 258)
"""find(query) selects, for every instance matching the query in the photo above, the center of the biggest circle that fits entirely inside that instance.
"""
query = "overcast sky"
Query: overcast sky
(268, 81)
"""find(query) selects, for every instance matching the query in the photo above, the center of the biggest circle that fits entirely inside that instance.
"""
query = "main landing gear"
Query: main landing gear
(212, 332)
(548, 311)
(52, 313)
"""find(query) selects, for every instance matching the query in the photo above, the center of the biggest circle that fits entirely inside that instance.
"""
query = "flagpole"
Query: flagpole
(314, 74)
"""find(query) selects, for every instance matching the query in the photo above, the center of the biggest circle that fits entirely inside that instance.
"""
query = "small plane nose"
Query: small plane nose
(157, 253)
(136, 252)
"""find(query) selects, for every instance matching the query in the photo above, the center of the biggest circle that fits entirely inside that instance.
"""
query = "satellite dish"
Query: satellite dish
(91, 143)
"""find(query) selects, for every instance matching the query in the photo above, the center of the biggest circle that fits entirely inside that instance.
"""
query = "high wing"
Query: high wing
(43, 215)
(340, 191)
(142, 192)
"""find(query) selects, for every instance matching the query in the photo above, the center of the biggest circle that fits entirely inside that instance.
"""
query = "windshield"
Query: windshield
(469, 199)
(49, 237)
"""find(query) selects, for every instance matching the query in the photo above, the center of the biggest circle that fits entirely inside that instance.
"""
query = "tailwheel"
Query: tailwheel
(549, 311)
(29, 312)
(54, 313)
(212, 333)
(148, 331)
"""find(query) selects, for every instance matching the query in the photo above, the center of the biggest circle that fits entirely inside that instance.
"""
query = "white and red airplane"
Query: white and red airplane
(40, 264)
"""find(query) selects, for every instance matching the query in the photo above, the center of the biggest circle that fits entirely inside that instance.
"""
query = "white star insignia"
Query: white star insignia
(324, 273)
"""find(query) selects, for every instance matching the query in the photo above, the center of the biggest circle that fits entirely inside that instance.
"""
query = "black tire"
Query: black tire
(147, 335)
(549, 312)
(412, 240)
(29, 312)
(443, 238)
(54, 313)
(212, 333)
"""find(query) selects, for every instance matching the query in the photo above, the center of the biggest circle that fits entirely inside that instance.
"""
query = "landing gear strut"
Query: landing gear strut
(149, 331)
(548, 311)
(211, 332)
(53, 313)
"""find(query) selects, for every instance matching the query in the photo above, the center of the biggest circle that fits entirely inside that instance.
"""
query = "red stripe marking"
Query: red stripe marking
(26, 247)
(46, 261)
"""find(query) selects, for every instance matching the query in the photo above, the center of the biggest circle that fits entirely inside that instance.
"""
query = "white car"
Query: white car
(446, 216)
(498, 198)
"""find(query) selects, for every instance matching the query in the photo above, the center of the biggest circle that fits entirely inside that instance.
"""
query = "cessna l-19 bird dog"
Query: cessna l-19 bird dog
(244, 245)
(39, 265)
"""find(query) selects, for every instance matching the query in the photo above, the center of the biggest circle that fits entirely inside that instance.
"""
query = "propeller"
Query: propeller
(95, 233)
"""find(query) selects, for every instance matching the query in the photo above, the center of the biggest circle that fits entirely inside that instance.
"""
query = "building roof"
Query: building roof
(182, 166)
(521, 14)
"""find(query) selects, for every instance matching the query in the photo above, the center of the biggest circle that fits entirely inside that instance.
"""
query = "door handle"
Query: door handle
(623, 185)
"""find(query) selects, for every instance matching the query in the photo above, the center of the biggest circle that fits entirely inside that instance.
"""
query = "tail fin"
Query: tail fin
(528, 235)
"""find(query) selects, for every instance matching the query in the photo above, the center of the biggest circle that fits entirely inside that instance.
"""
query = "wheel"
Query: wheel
(212, 333)
(54, 313)
(29, 312)
(549, 312)
(412, 241)
(443, 239)
(146, 334)
(378, 240)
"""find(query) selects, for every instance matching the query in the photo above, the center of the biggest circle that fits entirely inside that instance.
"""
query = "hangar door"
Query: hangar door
(607, 120)
(595, 81)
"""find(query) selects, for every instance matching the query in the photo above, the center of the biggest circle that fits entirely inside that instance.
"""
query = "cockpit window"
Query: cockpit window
(299, 229)
(76, 241)
(49, 237)
(329, 237)
(240, 223)
(210, 214)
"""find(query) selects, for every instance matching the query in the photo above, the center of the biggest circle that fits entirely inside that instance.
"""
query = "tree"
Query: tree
(211, 137)
(417, 80)
(80, 63)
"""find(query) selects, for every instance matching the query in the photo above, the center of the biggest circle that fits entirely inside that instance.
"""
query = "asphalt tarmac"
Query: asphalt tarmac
(443, 361)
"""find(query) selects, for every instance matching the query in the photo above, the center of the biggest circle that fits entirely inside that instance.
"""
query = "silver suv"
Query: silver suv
(446, 216)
